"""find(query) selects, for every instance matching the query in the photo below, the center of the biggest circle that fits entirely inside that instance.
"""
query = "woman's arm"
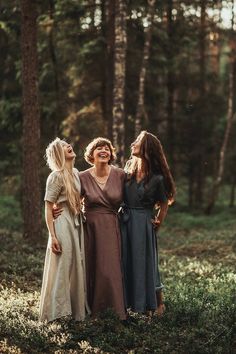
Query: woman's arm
(159, 218)
(56, 248)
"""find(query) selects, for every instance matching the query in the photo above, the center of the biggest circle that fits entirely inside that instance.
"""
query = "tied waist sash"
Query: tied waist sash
(125, 209)
(100, 210)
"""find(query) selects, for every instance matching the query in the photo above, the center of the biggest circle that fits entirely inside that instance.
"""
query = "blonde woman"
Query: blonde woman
(64, 281)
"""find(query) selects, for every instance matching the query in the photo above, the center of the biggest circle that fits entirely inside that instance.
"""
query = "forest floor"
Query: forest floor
(197, 261)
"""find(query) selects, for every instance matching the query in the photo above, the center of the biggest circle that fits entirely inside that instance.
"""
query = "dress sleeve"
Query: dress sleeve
(160, 190)
(53, 187)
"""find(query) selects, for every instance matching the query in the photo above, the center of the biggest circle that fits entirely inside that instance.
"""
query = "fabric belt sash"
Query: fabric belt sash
(101, 210)
(125, 211)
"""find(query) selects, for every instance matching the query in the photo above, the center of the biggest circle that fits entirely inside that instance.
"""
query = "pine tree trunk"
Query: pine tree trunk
(119, 80)
(52, 52)
(202, 63)
(31, 123)
(108, 33)
(170, 86)
(140, 113)
(215, 49)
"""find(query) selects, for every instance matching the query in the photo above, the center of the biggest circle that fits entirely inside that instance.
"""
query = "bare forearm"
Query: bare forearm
(162, 212)
(49, 219)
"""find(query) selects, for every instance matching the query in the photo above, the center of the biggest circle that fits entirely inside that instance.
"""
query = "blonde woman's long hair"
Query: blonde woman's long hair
(55, 158)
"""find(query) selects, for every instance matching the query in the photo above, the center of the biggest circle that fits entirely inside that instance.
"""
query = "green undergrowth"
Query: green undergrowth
(10, 214)
(197, 262)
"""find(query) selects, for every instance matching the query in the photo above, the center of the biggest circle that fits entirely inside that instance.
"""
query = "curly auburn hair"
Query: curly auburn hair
(154, 161)
(98, 142)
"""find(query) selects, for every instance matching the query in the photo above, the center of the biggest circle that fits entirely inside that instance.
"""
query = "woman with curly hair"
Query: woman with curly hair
(148, 185)
(102, 189)
(64, 281)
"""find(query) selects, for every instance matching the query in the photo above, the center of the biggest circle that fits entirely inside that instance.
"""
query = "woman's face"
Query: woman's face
(101, 154)
(135, 146)
(68, 151)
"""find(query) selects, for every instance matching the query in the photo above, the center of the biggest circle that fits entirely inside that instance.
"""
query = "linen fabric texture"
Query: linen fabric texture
(64, 278)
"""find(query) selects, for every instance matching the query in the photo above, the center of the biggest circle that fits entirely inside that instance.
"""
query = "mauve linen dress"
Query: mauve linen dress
(64, 279)
(103, 243)
(139, 243)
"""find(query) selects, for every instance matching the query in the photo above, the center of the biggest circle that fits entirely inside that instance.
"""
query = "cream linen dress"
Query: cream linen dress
(64, 281)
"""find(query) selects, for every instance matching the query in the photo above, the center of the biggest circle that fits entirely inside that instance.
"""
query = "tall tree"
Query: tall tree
(52, 51)
(108, 32)
(31, 122)
(230, 117)
(202, 88)
(141, 112)
(119, 80)
(170, 84)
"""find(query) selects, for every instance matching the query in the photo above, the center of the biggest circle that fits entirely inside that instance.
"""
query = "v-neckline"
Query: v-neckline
(140, 181)
(97, 182)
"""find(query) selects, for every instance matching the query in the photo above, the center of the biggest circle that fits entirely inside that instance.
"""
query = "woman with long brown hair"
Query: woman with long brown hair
(149, 185)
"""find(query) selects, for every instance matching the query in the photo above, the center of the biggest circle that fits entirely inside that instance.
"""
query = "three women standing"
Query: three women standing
(148, 183)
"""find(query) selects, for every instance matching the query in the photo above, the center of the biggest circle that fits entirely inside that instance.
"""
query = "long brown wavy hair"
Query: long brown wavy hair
(153, 160)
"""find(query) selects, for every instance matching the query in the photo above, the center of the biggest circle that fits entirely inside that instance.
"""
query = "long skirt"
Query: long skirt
(64, 281)
(140, 260)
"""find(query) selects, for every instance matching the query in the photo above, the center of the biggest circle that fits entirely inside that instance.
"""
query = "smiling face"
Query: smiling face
(100, 150)
(101, 154)
(136, 146)
(68, 151)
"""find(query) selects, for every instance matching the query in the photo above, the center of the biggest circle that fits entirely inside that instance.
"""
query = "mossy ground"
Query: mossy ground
(197, 261)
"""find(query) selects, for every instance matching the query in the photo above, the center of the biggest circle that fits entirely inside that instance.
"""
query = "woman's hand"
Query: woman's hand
(160, 216)
(156, 222)
(55, 245)
(56, 211)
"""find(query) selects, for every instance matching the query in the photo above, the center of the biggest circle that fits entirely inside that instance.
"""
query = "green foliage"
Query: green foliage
(74, 60)
(10, 213)
(198, 267)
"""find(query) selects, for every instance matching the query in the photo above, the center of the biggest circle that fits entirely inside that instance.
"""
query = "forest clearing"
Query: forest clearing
(113, 68)
(198, 265)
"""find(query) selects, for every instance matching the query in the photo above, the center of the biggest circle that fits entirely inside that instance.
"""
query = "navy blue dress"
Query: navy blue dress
(139, 243)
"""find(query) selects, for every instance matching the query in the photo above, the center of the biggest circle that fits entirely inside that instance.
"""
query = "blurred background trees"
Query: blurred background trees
(112, 67)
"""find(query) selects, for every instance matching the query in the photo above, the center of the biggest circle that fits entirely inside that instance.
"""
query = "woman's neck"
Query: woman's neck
(102, 169)
(69, 165)
(141, 166)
